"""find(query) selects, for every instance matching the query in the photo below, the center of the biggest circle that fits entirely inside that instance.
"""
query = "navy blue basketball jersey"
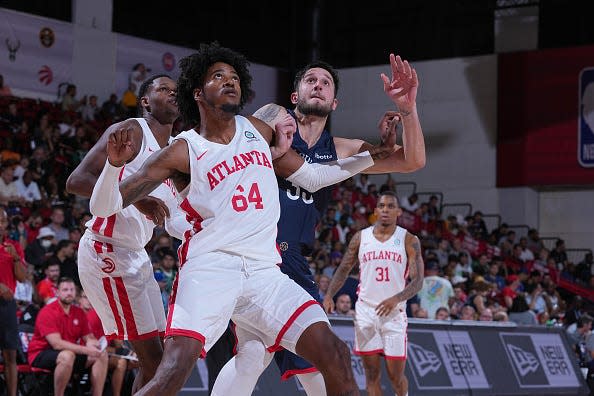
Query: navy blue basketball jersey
(300, 209)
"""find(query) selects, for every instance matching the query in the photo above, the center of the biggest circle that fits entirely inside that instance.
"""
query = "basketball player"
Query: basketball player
(388, 255)
(114, 267)
(228, 270)
(315, 89)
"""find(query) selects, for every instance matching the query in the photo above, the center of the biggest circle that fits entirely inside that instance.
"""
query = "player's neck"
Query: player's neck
(310, 127)
(384, 231)
(162, 132)
(218, 130)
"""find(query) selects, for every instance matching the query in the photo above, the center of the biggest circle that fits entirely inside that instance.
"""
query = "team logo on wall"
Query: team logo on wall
(168, 61)
(586, 118)
(46, 75)
(46, 37)
(12, 46)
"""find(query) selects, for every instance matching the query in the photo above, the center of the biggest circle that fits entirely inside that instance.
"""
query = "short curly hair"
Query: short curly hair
(193, 71)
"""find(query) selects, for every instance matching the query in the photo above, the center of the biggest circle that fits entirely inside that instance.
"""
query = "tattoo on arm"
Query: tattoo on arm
(416, 268)
(268, 112)
(135, 188)
(347, 263)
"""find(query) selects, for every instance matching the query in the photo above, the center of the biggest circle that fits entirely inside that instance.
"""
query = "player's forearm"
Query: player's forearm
(413, 140)
(411, 289)
(338, 279)
(314, 176)
(62, 344)
(106, 198)
(176, 225)
(81, 184)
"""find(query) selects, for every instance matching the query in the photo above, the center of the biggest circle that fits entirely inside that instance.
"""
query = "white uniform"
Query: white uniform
(384, 269)
(228, 259)
(114, 267)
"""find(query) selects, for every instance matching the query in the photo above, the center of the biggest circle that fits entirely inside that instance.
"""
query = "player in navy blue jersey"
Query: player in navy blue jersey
(314, 96)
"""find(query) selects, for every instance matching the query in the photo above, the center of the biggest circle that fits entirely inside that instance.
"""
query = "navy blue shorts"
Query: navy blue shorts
(9, 334)
(297, 268)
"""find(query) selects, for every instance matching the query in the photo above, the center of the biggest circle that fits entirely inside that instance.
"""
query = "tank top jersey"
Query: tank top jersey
(301, 210)
(129, 228)
(383, 266)
(231, 201)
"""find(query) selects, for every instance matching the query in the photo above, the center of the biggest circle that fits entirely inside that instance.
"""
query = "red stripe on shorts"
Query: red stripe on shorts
(289, 373)
(110, 224)
(98, 247)
(97, 224)
(292, 319)
(126, 307)
(113, 305)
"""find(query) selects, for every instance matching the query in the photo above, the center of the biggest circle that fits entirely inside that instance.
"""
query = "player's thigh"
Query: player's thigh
(276, 309)
(393, 333)
(367, 337)
(204, 297)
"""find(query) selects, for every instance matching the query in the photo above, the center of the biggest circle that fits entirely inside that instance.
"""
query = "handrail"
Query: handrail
(463, 204)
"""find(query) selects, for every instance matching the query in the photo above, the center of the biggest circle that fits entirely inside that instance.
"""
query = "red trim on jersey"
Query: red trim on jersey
(113, 305)
(188, 333)
(289, 373)
(121, 173)
(193, 218)
(98, 247)
(172, 301)
(235, 338)
(126, 308)
(109, 247)
(279, 337)
(366, 353)
(97, 224)
(108, 232)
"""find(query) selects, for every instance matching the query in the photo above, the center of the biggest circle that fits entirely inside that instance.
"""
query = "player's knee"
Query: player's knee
(252, 357)
(372, 374)
(66, 358)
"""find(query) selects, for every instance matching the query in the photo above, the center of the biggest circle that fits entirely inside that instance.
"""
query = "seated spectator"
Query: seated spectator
(500, 317)
(9, 193)
(343, 305)
(478, 296)
(90, 111)
(510, 292)
(421, 314)
(117, 366)
(323, 283)
(526, 254)
(410, 203)
(57, 224)
(467, 313)
(486, 315)
(60, 330)
(534, 242)
(111, 109)
(436, 291)
(69, 101)
(520, 312)
(129, 101)
(27, 188)
(64, 256)
(442, 313)
(38, 251)
(559, 253)
(47, 288)
(493, 275)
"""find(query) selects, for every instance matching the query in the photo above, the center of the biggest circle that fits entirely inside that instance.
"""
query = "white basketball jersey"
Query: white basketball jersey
(232, 199)
(129, 228)
(384, 266)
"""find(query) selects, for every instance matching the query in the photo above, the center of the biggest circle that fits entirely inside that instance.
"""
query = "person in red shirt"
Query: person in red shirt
(47, 288)
(12, 269)
(57, 342)
(117, 365)
(511, 290)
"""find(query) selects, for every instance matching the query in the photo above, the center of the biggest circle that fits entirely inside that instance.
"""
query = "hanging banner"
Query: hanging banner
(36, 52)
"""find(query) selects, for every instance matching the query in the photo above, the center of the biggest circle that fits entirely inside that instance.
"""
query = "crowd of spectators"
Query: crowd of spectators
(472, 273)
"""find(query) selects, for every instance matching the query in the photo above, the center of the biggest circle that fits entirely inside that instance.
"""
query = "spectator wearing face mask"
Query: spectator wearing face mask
(40, 250)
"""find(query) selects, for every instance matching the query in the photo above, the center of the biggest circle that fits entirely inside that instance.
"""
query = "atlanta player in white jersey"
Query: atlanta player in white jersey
(388, 255)
(229, 257)
(114, 267)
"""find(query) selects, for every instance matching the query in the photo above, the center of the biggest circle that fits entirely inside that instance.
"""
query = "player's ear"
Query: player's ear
(197, 92)
(294, 98)
(144, 104)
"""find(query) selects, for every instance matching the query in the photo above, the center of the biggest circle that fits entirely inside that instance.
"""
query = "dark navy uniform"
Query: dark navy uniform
(300, 213)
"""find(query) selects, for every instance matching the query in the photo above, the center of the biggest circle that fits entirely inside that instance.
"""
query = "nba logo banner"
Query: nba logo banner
(586, 118)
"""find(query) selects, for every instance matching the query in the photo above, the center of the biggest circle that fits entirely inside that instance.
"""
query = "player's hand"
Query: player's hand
(381, 152)
(386, 307)
(153, 208)
(387, 127)
(120, 147)
(328, 304)
(283, 138)
(402, 88)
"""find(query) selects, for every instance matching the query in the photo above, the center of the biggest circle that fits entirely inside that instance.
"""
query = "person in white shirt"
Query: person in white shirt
(27, 188)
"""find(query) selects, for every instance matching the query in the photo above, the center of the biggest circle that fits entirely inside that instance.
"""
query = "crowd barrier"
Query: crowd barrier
(456, 358)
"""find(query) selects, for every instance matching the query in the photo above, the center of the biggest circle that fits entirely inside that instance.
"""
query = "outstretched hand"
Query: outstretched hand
(328, 304)
(402, 88)
(387, 127)
(284, 136)
(120, 148)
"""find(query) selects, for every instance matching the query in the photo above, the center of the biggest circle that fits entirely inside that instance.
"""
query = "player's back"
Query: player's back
(130, 228)
(383, 266)
(232, 199)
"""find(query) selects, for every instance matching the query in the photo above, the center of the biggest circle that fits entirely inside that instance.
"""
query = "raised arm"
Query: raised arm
(342, 272)
(416, 268)
(108, 199)
(82, 180)
(402, 90)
